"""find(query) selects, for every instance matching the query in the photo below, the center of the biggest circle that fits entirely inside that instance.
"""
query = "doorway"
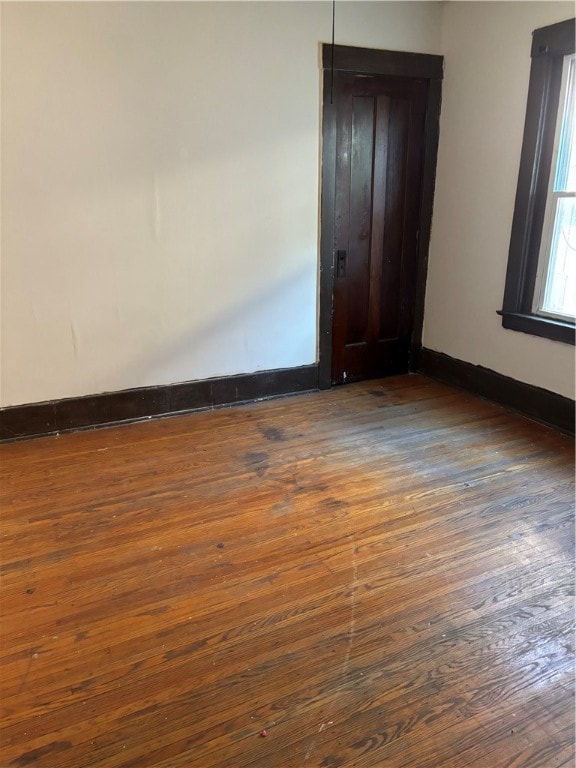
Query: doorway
(380, 136)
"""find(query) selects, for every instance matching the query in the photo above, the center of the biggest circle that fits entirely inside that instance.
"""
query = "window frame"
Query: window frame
(549, 47)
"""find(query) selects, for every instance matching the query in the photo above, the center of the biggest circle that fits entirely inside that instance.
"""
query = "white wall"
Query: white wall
(160, 168)
(487, 66)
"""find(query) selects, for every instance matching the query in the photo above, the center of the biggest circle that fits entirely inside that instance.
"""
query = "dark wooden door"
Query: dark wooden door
(379, 150)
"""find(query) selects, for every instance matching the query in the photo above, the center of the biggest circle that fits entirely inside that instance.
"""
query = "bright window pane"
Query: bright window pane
(565, 177)
(560, 292)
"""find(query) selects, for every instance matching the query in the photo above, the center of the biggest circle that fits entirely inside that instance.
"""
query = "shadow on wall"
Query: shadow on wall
(175, 216)
(262, 332)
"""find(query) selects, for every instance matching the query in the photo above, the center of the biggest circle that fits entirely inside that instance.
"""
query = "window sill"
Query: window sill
(535, 325)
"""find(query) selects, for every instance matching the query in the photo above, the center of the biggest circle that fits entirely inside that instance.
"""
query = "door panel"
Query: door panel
(379, 144)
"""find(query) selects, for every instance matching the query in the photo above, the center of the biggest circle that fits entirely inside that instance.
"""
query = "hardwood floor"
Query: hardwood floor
(377, 575)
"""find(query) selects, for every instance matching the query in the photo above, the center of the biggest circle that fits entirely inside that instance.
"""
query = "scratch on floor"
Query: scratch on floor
(352, 625)
(351, 634)
(447, 579)
(33, 656)
(309, 752)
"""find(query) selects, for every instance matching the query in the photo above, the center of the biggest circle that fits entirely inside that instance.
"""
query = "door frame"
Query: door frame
(369, 61)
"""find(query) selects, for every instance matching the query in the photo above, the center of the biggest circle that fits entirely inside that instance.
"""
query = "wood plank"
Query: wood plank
(379, 575)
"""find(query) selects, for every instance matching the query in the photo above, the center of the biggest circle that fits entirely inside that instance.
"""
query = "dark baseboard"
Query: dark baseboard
(37, 419)
(535, 403)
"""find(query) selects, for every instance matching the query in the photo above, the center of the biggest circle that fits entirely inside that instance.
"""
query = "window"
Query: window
(540, 293)
(555, 294)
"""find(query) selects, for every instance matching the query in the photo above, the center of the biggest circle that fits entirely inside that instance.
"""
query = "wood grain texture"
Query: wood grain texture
(379, 151)
(378, 575)
(390, 63)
